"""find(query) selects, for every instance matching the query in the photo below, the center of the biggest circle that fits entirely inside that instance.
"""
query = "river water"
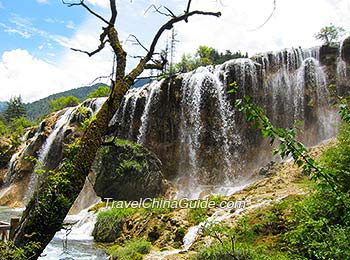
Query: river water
(78, 245)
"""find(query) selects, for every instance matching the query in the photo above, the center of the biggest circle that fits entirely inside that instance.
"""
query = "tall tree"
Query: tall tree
(15, 109)
(330, 34)
(51, 202)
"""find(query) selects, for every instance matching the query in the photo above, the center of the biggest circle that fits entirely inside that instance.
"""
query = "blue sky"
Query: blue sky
(37, 26)
(35, 59)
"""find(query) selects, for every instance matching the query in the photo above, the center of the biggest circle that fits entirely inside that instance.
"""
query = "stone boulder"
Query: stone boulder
(345, 51)
(6, 151)
(329, 54)
(127, 171)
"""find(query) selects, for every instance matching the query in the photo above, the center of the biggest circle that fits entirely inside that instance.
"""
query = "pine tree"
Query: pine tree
(15, 109)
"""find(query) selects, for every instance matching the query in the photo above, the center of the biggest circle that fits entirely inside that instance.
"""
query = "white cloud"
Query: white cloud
(43, 1)
(23, 74)
(293, 24)
(100, 3)
(32, 78)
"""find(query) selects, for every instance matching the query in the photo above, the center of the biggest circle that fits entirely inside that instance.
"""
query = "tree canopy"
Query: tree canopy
(101, 91)
(63, 102)
(206, 56)
(15, 109)
(330, 34)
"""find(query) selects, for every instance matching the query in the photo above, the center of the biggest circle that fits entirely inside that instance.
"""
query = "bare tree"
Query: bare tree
(51, 202)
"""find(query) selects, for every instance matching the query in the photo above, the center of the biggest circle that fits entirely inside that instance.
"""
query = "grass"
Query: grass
(132, 250)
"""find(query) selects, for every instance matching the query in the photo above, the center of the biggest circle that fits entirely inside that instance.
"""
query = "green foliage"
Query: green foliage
(87, 122)
(63, 102)
(288, 145)
(197, 215)
(101, 91)
(109, 223)
(9, 252)
(15, 128)
(40, 108)
(330, 34)
(205, 56)
(18, 125)
(4, 130)
(15, 109)
(318, 228)
(254, 237)
(132, 250)
(129, 166)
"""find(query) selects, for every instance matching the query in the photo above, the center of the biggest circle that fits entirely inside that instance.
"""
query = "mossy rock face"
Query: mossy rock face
(6, 151)
(345, 52)
(127, 171)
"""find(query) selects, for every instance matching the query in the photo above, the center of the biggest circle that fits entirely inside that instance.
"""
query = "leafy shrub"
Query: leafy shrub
(109, 223)
(63, 102)
(9, 252)
(101, 91)
(132, 250)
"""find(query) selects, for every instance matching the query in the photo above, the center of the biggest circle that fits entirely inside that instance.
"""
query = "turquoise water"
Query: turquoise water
(60, 248)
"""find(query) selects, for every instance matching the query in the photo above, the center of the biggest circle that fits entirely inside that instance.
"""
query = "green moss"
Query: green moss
(132, 250)
(129, 166)
(109, 223)
(197, 215)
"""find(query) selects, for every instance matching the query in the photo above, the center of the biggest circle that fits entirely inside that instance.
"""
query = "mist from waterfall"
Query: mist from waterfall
(216, 149)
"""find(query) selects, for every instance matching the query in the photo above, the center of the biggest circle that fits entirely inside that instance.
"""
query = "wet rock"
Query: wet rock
(267, 170)
(6, 151)
(329, 54)
(345, 51)
(127, 171)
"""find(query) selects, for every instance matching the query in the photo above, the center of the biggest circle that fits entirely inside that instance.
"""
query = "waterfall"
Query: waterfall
(53, 145)
(75, 241)
(341, 64)
(154, 88)
(59, 128)
(206, 145)
(55, 136)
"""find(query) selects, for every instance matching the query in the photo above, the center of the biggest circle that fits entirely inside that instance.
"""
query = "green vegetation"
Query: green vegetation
(132, 250)
(330, 34)
(101, 91)
(205, 56)
(15, 109)
(9, 252)
(13, 120)
(109, 223)
(255, 237)
(63, 102)
(40, 108)
(315, 226)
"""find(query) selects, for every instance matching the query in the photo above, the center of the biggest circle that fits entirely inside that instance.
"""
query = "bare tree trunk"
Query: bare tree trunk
(50, 204)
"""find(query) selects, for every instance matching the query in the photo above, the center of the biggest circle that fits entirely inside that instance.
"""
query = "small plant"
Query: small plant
(110, 222)
(9, 252)
(132, 250)
(197, 215)
(330, 34)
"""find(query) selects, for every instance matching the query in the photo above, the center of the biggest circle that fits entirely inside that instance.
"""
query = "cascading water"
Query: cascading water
(154, 88)
(55, 136)
(56, 133)
(341, 64)
(215, 150)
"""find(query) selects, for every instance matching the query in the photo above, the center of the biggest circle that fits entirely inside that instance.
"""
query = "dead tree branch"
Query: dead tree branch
(158, 10)
(167, 26)
(136, 41)
(81, 3)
